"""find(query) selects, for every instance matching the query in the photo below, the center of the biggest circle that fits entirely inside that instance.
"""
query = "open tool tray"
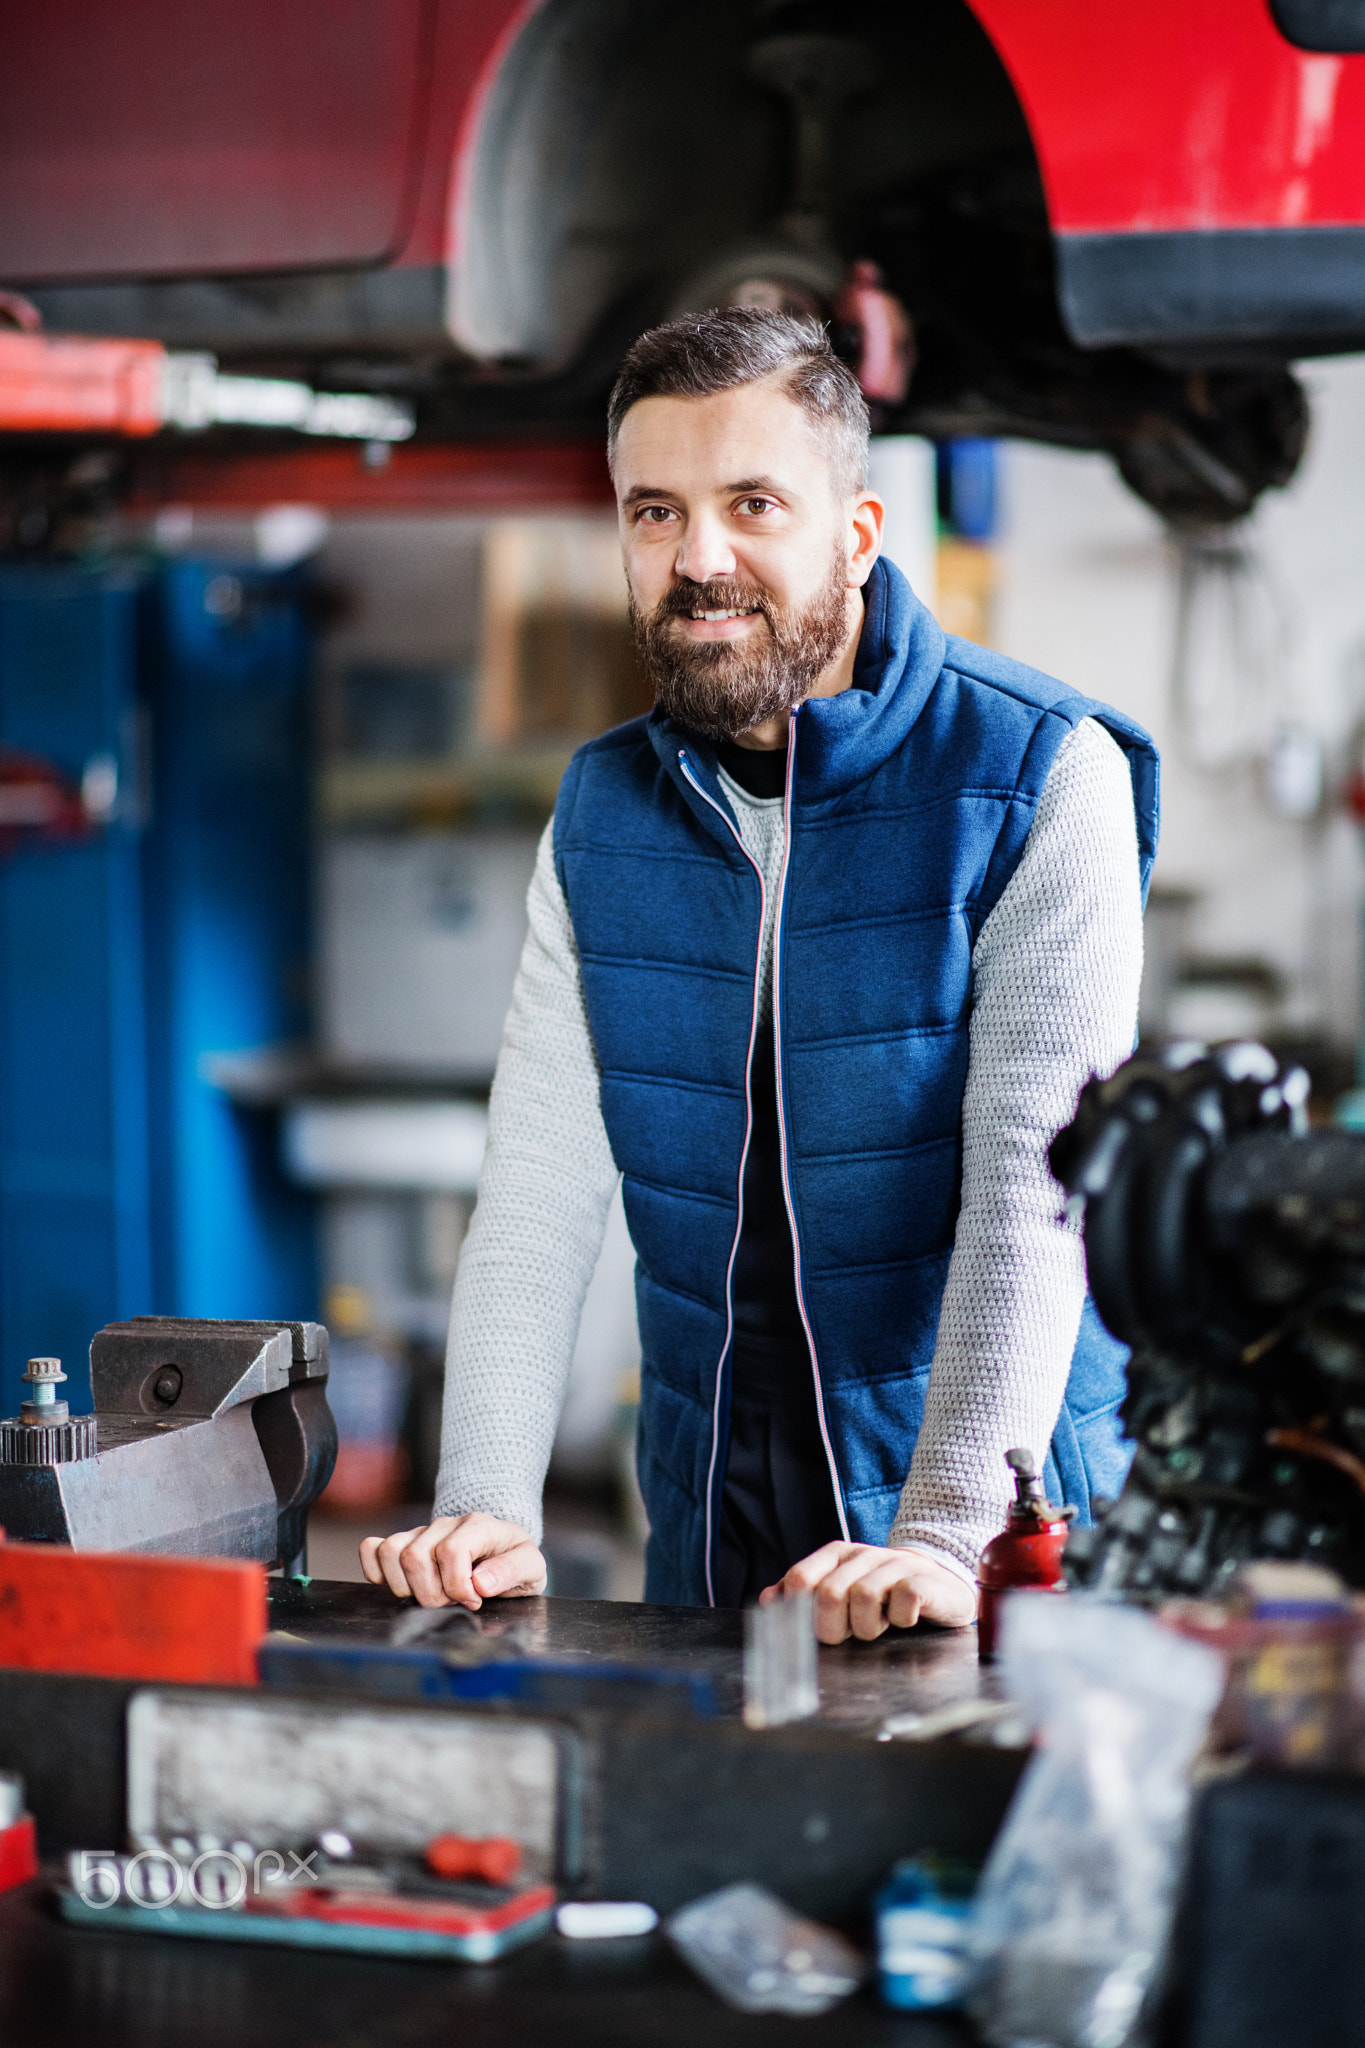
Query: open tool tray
(465, 1927)
(260, 1818)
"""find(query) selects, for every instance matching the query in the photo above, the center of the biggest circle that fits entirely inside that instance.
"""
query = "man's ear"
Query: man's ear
(865, 537)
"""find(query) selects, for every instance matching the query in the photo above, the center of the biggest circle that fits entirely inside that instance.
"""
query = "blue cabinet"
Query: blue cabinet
(175, 930)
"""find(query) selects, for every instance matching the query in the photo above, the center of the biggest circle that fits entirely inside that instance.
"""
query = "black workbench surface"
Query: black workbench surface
(67, 1988)
(906, 1670)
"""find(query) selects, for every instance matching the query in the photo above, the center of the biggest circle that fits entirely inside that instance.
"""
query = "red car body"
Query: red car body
(1184, 115)
(1194, 159)
(425, 192)
(1205, 176)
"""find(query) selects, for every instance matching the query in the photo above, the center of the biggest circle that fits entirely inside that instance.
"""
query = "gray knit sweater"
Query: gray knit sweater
(1055, 976)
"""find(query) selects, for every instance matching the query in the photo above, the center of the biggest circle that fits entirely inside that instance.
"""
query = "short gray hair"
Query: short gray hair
(733, 346)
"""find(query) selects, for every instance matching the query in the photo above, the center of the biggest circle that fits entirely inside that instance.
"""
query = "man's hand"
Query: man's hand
(862, 1591)
(457, 1560)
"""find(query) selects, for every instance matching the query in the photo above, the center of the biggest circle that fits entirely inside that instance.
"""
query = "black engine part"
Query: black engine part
(1226, 1245)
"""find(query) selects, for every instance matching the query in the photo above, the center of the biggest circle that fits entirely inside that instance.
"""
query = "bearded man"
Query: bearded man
(820, 955)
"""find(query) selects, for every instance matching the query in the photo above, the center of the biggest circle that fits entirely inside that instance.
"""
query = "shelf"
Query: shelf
(504, 787)
(430, 1147)
(276, 1076)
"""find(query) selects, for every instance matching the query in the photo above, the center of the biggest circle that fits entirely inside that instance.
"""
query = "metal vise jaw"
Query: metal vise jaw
(210, 1439)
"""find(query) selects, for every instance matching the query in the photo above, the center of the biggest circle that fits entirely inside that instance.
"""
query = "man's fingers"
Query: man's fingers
(879, 1597)
(521, 1570)
(481, 1557)
(492, 1558)
(861, 1590)
(379, 1557)
(464, 1559)
(909, 1603)
(808, 1574)
(832, 1619)
(835, 1584)
(432, 1564)
(465, 1543)
(436, 1563)
(944, 1598)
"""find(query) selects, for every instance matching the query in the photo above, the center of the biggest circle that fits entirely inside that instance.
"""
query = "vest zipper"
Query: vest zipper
(838, 1491)
(782, 1125)
(686, 767)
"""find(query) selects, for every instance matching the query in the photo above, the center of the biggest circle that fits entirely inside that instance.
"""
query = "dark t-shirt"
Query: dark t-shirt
(764, 1290)
(778, 1504)
(762, 771)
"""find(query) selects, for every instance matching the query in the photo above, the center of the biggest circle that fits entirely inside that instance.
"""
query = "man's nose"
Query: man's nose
(704, 552)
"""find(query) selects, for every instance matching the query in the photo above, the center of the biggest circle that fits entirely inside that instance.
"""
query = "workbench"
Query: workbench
(905, 1671)
(66, 1988)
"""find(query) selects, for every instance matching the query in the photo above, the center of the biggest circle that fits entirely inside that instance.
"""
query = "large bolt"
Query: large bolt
(43, 1375)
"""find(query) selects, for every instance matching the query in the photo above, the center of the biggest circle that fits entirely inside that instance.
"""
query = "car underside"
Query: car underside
(620, 162)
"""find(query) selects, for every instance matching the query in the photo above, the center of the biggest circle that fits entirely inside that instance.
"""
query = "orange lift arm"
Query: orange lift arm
(66, 385)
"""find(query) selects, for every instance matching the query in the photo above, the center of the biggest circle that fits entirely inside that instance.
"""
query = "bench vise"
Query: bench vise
(209, 1439)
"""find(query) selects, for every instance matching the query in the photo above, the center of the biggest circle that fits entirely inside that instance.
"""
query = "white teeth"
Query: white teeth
(712, 617)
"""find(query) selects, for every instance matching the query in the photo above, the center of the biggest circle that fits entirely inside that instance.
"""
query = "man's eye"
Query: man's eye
(756, 505)
(655, 515)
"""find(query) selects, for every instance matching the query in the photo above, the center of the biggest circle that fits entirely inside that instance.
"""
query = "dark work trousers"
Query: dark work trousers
(778, 1503)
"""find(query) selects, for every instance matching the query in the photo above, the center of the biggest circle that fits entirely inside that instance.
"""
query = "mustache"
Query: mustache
(722, 687)
(720, 594)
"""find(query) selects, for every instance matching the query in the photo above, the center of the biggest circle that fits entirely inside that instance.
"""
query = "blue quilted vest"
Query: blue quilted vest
(909, 798)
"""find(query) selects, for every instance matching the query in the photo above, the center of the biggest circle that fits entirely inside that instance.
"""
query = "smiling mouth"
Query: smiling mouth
(714, 618)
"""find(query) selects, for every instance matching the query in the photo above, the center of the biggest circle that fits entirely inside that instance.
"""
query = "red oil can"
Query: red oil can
(1027, 1552)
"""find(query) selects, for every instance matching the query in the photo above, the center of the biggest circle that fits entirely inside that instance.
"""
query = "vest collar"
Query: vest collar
(841, 740)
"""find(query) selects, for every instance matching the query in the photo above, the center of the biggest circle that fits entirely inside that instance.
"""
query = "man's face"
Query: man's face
(742, 559)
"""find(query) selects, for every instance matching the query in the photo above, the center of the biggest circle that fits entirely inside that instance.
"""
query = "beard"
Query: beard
(720, 690)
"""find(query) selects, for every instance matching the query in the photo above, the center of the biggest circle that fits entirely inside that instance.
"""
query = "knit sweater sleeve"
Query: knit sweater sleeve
(546, 1184)
(1055, 973)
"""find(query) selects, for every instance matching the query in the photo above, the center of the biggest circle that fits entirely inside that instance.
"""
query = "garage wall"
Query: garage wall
(1088, 590)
